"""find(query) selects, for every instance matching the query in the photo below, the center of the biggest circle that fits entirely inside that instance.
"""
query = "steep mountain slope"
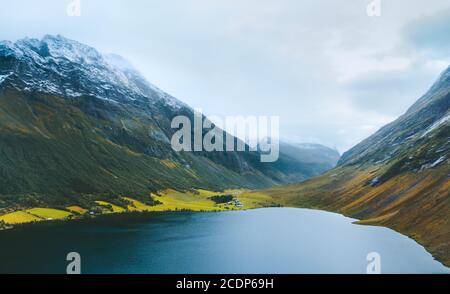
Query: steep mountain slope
(76, 125)
(399, 177)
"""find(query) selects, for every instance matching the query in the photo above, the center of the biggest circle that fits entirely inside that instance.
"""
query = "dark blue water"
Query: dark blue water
(272, 240)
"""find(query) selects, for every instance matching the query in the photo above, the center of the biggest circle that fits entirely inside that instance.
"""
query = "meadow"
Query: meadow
(199, 200)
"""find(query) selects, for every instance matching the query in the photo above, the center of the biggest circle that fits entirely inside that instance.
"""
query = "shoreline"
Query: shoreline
(125, 214)
(142, 216)
(197, 200)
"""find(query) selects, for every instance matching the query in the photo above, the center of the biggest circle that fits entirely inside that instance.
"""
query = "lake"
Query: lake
(270, 240)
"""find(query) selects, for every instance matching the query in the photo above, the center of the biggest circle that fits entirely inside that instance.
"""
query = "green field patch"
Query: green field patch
(19, 217)
(48, 213)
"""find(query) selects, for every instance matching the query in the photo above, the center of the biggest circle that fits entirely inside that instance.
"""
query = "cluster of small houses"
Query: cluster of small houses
(236, 203)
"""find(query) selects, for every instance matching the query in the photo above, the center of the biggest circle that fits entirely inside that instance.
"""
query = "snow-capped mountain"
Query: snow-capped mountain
(75, 124)
(61, 66)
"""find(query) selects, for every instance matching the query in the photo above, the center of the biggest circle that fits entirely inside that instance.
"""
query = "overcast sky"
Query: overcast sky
(333, 74)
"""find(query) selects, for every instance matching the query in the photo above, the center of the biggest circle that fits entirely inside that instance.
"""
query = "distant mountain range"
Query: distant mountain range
(301, 161)
(399, 177)
(76, 124)
(311, 153)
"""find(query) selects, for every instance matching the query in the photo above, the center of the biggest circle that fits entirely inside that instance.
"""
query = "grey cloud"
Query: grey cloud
(257, 57)
(430, 33)
(390, 92)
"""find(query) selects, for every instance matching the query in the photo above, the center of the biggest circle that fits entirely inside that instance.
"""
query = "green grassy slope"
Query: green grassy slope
(105, 131)
(52, 153)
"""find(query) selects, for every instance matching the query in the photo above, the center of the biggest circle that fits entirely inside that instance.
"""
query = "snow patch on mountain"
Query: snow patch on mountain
(4, 77)
(438, 161)
(118, 62)
(61, 66)
(444, 120)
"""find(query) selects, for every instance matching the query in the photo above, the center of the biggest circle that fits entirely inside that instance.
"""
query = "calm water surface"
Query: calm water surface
(272, 240)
